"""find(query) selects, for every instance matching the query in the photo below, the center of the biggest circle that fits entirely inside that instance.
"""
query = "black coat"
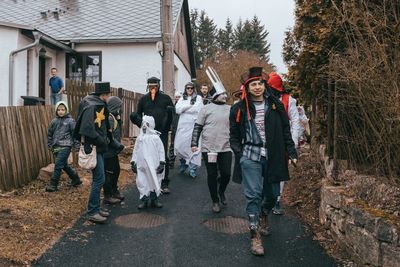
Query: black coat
(279, 141)
(92, 122)
(160, 109)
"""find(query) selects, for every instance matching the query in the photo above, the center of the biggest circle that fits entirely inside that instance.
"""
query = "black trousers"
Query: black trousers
(112, 171)
(164, 139)
(223, 165)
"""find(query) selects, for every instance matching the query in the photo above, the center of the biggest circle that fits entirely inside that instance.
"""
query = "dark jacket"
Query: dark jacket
(61, 131)
(279, 141)
(92, 122)
(161, 109)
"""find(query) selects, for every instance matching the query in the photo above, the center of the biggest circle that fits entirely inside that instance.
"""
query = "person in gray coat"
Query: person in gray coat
(60, 141)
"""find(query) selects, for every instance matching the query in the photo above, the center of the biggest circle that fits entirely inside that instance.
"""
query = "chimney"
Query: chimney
(56, 15)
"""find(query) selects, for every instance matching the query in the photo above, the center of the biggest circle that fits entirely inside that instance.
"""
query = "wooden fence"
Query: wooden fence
(23, 144)
(23, 133)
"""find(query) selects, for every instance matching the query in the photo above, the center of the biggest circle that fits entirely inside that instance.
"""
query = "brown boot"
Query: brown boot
(264, 228)
(256, 242)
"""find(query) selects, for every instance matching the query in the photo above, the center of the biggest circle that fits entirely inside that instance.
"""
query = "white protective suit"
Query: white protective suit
(294, 120)
(148, 153)
(187, 118)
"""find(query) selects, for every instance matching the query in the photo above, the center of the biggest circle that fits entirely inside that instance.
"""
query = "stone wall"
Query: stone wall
(370, 239)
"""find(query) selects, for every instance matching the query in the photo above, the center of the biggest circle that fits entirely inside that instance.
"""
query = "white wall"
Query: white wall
(11, 39)
(8, 42)
(182, 75)
(127, 65)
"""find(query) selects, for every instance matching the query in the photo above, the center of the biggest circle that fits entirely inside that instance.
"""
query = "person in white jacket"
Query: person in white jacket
(275, 82)
(148, 161)
(188, 108)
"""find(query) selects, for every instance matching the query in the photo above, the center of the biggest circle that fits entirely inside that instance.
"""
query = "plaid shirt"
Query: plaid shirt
(253, 142)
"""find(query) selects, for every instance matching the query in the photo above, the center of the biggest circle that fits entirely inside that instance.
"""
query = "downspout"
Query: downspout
(37, 37)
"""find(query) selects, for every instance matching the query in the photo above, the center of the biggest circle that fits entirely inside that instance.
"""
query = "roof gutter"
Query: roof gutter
(37, 37)
(57, 43)
(116, 41)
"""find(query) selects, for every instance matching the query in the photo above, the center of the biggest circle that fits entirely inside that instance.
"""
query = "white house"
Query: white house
(90, 40)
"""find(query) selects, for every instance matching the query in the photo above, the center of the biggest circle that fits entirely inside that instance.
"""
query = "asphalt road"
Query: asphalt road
(184, 240)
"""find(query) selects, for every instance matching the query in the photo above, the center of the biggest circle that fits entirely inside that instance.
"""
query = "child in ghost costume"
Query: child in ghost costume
(148, 161)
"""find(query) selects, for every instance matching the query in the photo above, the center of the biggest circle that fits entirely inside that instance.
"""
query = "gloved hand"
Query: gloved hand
(88, 148)
(133, 166)
(160, 167)
(136, 119)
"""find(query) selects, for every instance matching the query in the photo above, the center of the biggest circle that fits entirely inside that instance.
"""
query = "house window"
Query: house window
(84, 66)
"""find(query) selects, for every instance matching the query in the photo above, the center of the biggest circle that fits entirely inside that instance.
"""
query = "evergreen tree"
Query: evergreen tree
(206, 37)
(225, 37)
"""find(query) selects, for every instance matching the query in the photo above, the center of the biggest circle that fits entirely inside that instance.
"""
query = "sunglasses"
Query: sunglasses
(189, 88)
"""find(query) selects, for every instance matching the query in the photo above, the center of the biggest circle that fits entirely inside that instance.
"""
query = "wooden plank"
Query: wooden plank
(5, 185)
(16, 147)
(25, 147)
(10, 148)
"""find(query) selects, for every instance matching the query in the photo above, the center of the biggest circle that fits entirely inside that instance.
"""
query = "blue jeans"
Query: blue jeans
(55, 97)
(61, 163)
(255, 190)
(97, 183)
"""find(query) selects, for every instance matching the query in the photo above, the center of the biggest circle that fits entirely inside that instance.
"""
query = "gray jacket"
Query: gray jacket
(61, 131)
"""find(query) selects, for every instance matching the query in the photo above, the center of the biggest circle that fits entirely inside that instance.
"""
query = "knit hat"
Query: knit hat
(114, 104)
(275, 81)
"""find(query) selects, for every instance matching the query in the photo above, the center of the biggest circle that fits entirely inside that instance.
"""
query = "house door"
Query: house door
(42, 77)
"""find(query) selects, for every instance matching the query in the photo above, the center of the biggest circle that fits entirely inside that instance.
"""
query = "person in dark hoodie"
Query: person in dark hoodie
(111, 160)
(93, 129)
(158, 105)
(60, 141)
(260, 138)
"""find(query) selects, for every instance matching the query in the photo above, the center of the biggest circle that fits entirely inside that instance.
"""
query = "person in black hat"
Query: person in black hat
(158, 105)
(93, 129)
(260, 138)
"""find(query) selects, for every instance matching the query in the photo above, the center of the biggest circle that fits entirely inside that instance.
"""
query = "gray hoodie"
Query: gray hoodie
(61, 130)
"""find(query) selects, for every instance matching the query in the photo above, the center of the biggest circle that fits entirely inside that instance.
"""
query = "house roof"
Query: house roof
(89, 19)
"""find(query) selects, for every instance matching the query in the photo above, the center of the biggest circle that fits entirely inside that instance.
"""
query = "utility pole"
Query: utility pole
(168, 48)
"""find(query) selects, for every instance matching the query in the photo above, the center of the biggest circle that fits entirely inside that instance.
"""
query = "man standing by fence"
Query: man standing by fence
(160, 107)
(56, 87)
(92, 128)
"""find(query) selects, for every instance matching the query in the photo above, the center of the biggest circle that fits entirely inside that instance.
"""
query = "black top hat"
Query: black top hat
(101, 88)
(153, 80)
(253, 72)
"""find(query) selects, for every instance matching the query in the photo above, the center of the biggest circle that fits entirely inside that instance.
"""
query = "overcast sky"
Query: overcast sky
(276, 15)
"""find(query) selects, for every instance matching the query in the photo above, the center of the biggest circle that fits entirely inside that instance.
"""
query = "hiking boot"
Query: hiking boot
(104, 213)
(277, 210)
(256, 242)
(142, 205)
(156, 203)
(111, 200)
(51, 188)
(96, 218)
(119, 196)
(74, 183)
(222, 198)
(216, 208)
(264, 228)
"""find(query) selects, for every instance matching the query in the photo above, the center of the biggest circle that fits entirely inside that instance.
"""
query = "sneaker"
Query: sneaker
(142, 205)
(51, 188)
(277, 210)
(104, 213)
(74, 183)
(156, 203)
(216, 208)
(96, 218)
(182, 168)
(193, 173)
(111, 200)
(119, 196)
(222, 198)
(165, 190)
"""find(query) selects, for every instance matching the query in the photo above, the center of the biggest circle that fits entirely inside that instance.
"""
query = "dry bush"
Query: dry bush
(230, 66)
(368, 86)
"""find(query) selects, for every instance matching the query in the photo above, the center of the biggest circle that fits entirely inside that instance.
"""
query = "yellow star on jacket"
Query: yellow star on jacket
(100, 117)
